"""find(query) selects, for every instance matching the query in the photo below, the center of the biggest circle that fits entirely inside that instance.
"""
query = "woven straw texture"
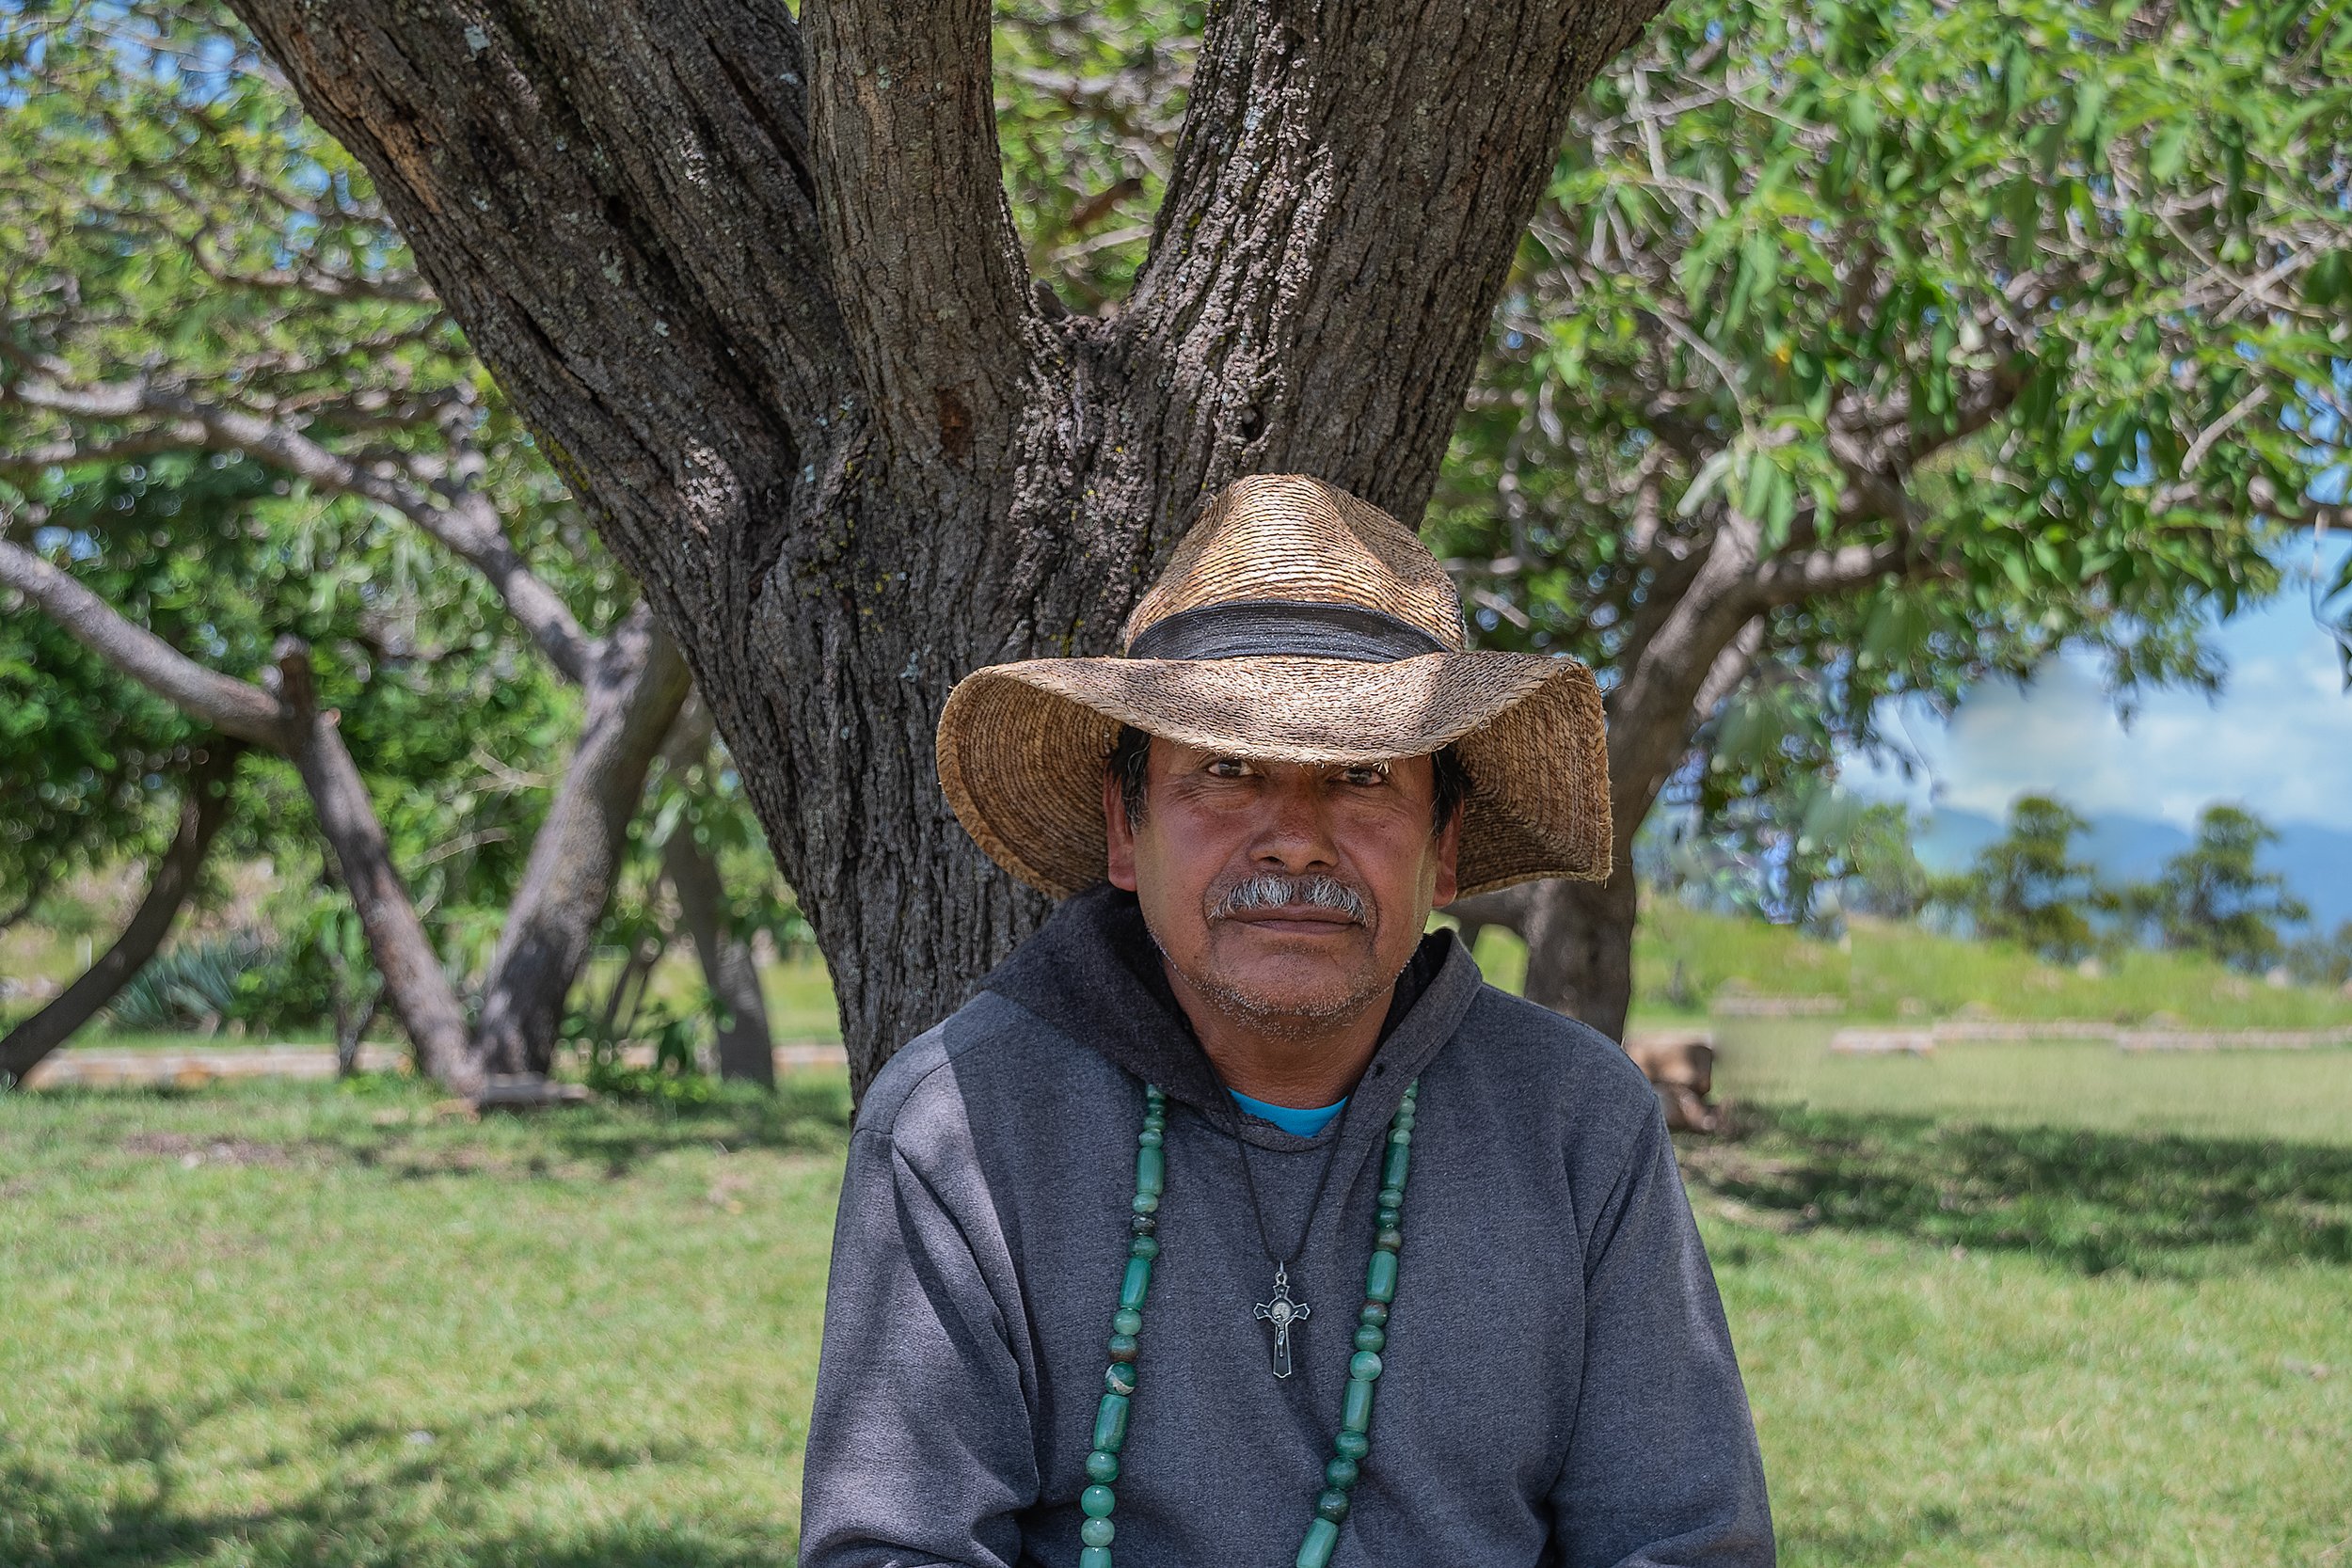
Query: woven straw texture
(1022, 747)
(1283, 536)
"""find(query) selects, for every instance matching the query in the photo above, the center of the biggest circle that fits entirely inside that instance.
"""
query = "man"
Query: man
(1235, 1221)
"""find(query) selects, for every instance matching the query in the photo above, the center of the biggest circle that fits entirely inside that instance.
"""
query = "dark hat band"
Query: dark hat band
(1261, 628)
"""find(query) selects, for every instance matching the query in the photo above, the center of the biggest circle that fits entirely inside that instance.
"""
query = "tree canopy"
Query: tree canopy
(2213, 898)
(2028, 887)
(229, 405)
(1851, 352)
(1858, 352)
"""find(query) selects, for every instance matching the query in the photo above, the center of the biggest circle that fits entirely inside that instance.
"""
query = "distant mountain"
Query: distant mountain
(2316, 860)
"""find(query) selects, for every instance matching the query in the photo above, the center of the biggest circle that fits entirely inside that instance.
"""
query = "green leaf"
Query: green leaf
(2168, 152)
(1757, 498)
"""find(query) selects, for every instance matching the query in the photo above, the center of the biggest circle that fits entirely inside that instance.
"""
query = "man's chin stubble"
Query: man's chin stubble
(1266, 1016)
(1283, 1016)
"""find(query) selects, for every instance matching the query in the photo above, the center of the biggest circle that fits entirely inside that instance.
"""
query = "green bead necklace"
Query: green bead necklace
(1354, 1439)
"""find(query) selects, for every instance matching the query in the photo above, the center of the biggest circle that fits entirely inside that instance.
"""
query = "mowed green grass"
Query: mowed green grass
(291, 1324)
(297, 1324)
(2077, 1384)
(2297, 1097)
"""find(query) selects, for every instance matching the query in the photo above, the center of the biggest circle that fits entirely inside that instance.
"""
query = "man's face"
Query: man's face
(1290, 896)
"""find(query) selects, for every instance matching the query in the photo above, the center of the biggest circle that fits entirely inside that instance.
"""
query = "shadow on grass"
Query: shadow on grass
(418, 1509)
(410, 1132)
(808, 1113)
(2093, 1200)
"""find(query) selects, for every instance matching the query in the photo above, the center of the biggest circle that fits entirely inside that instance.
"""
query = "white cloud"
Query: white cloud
(2278, 740)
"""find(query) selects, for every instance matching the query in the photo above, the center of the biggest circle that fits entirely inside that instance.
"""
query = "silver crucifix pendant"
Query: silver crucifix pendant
(1282, 1313)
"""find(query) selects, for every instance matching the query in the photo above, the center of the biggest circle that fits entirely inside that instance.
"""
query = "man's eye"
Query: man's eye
(1365, 776)
(1229, 767)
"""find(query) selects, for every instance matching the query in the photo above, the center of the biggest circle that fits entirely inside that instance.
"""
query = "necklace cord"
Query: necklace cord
(1323, 1183)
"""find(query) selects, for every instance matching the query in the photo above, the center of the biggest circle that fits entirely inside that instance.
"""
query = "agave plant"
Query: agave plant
(192, 986)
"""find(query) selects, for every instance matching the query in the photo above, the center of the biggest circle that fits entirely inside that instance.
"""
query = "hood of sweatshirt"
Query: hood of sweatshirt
(1093, 973)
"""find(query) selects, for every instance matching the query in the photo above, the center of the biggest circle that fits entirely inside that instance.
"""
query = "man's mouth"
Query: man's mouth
(1297, 920)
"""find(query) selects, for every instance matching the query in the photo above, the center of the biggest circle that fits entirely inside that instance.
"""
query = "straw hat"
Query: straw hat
(1295, 623)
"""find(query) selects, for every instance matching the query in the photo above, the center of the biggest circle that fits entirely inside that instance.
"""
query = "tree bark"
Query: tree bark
(754, 283)
(747, 1049)
(352, 1014)
(203, 806)
(1579, 937)
(419, 992)
(1580, 945)
(632, 694)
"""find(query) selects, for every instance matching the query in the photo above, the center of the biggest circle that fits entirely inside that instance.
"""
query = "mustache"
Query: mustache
(1273, 890)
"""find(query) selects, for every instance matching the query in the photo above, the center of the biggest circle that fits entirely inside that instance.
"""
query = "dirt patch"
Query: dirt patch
(192, 1150)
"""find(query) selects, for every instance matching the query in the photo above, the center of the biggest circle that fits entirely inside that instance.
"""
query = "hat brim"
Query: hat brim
(1022, 748)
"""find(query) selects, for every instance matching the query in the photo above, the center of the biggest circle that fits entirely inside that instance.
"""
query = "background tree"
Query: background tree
(1883, 873)
(2323, 960)
(1785, 855)
(1863, 351)
(2028, 888)
(752, 277)
(197, 271)
(2214, 898)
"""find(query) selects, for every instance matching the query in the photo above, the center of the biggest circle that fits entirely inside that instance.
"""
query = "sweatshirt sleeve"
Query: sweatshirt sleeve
(1663, 1468)
(920, 1449)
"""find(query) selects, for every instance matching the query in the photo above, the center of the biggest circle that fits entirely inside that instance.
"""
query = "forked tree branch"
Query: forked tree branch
(291, 723)
(631, 698)
(413, 978)
(761, 375)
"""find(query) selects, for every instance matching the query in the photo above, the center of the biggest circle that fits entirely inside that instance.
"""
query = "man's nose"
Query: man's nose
(1294, 832)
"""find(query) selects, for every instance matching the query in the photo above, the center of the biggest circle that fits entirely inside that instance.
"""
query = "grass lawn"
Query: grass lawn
(2140, 1353)
(2300, 1096)
(294, 1324)
(298, 1324)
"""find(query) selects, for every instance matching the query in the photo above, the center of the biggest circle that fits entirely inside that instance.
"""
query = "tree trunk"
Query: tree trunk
(1579, 946)
(632, 694)
(747, 1049)
(353, 1014)
(419, 992)
(625, 1001)
(746, 1045)
(1578, 936)
(203, 806)
(754, 283)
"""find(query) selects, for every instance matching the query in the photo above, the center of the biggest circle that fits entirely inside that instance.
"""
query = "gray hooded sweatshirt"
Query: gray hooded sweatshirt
(1559, 1385)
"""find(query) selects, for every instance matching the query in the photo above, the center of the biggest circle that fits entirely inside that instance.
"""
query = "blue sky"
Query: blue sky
(2278, 738)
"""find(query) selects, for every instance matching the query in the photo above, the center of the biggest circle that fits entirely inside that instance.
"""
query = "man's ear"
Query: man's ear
(1449, 844)
(1120, 835)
